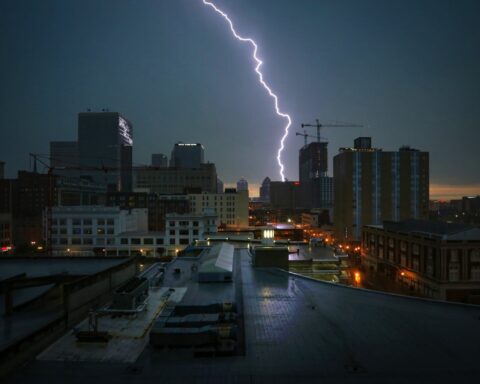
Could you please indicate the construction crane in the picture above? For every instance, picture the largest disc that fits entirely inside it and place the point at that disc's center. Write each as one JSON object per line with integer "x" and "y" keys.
{"x": 318, "y": 125}
{"x": 305, "y": 136}
{"x": 46, "y": 162}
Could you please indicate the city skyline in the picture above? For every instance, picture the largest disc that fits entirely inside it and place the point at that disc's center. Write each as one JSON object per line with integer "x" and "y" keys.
{"x": 191, "y": 82}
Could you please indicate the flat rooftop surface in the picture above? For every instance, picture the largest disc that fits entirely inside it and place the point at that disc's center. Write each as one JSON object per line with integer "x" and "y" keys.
{"x": 35, "y": 267}
{"x": 303, "y": 331}
{"x": 197, "y": 293}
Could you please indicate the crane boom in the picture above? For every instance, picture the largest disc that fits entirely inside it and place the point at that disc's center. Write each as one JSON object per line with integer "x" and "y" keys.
{"x": 318, "y": 125}
{"x": 305, "y": 135}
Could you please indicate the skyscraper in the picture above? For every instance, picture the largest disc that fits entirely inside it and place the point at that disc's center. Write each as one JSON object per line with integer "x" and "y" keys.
{"x": 265, "y": 190}
{"x": 187, "y": 155}
{"x": 105, "y": 141}
{"x": 159, "y": 160}
{"x": 316, "y": 187}
{"x": 220, "y": 187}
{"x": 371, "y": 186}
{"x": 242, "y": 185}
{"x": 313, "y": 161}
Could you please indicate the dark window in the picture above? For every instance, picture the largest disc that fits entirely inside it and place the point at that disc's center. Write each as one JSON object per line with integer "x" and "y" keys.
{"x": 135, "y": 240}
{"x": 172, "y": 232}
{"x": 87, "y": 231}
{"x": 109, "y": 221}
{"x": 100, "y": 221}
{"x": 76, "y": 241}
{"x": 184, "y": 232}
{"x": 195, "y": 223}
{"x": 171, "y": 223}
{"x": 123, "y": 240}
{"x": 172, "y": 241}
{"x": 76, "y": 231}
{"x": 148, "y": 241}
{"x": 195, "y": 231}
{"x": 183, "y": 241}
{"x": 160, "y": 241}
{"x": 87, "y": 221}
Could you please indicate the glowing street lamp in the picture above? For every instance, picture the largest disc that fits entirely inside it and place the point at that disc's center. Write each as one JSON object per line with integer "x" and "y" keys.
{"x": 358, "y": 278}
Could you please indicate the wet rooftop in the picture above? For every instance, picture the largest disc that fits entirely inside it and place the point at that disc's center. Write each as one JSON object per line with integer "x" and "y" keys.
{"x": 302, "y": 331}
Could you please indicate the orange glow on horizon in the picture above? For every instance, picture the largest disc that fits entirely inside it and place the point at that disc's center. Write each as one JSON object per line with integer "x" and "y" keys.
{"x": 453, "y": 191}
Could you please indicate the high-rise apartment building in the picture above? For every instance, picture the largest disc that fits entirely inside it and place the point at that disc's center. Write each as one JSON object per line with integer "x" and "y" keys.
{"x": 105, "y": 142}
{"x": 371, "y": 186}
{"x": 186, "y": 155}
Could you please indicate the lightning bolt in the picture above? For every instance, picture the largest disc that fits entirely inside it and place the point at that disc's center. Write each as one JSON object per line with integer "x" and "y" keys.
{"x": 258, "y": 65}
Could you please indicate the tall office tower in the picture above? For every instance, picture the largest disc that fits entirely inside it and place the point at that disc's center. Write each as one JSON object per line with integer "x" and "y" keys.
{"x": 220, "y": 187}
{"x": 265, "y": 190}
{"x": 371, "y": 186}
{"x": 242, "y": 185}
{"x": 64, "y": 154}
{"x": 315, "y": 186}
{"x": 105, "y": 141}
{"x": 187, "y": 155}
{"x": 159, "y": 160}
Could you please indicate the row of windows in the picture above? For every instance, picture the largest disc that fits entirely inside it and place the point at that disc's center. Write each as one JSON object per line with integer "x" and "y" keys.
{"x": 138, "y": 241}
{"x": 214, "y": 197}
{"x": 84, "y": 231}
{"x": 83, "y": 241}
{"x": 183, "y": 232}
{"x": 103, "y": 221}
{"x": 182, "y": 223}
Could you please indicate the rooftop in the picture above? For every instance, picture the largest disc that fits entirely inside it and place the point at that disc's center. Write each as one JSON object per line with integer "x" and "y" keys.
{"x": 301, "y": 331}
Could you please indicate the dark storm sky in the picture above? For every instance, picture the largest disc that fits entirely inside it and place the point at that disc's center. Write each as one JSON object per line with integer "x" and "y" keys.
{"x": 409, "y": 70}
